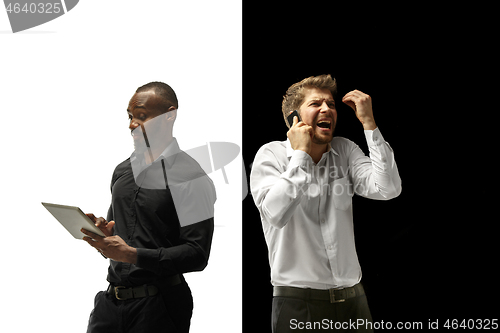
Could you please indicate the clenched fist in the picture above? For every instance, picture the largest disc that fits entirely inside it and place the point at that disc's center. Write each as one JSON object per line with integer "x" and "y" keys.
{"x": 361, "y": 103}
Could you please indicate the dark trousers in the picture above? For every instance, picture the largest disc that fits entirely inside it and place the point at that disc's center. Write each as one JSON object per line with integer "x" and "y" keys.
{"x": 294, "y": 314}
{"x": 168, "y": 311}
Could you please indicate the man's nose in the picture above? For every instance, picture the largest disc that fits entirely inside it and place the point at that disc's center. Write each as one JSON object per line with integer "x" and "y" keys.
{"x": 133, "y": 124}
{"x": 325, "y": 106}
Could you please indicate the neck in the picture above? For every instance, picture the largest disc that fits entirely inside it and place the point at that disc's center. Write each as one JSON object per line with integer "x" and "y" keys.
{"x": 152, "y": 153}
{"x": 317, "y": 151}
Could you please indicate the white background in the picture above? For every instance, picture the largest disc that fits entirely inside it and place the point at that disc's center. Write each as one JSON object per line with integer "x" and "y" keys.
{"x": 65, "y": 87}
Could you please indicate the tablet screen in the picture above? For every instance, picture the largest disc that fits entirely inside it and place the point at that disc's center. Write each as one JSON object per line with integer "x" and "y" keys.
{"x": 73, "y": 219}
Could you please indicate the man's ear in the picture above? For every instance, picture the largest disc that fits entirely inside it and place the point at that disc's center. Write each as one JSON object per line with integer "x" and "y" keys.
{"x": 171, "y": 114}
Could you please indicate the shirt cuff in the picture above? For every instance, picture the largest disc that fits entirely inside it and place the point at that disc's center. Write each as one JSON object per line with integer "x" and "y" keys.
{"x": 300, "y": 158}
{"x": 299, "y": 165}
{"x": 374, "y": 137}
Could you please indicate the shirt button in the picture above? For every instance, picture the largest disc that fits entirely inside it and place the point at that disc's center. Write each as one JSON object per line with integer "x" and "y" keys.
{"x": 322, "y": 220}
{"x": 329, "y": 247}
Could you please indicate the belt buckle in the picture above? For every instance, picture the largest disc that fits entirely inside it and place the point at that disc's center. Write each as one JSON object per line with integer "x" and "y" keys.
{"x": 332, "y": 297}
{"x": 117, "y": 290}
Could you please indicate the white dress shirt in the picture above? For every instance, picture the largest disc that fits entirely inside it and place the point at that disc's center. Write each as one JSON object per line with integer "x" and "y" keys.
{"x": 306, "y": 208}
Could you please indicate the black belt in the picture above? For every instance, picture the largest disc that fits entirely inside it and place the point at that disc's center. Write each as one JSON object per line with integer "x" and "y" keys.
{"x": 123, "y": 293}
{"x": 332, "y": 295}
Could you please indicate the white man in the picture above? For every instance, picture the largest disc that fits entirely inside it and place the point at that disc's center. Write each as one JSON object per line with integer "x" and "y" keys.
{"x": 303, "y": 188}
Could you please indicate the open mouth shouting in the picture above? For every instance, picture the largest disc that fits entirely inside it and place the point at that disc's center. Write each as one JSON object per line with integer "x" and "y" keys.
{"x": 324, "y": 125}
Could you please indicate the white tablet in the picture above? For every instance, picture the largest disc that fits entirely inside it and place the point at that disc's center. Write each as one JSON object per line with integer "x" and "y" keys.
{"x": 73, "y": 219}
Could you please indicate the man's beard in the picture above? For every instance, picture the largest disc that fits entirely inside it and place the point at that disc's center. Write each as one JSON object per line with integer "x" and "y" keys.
{"x": 139, "y": 143}
{"x": 140, "y": 146}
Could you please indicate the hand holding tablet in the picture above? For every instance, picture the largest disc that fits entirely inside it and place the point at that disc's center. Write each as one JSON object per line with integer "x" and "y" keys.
{"x": 105, "y": 226}
{"x": 97, "y": 232}
{"x": 74, "y": 220}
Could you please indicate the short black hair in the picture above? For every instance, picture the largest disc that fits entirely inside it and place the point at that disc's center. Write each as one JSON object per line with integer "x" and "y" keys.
{"x": 163, "y": 90}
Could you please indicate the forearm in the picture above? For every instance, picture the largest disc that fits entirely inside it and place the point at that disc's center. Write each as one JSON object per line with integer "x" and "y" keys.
{"x": 189, "y": 256}
{"x": 276, "y": 192}
{"x": 279, "y": 203}
{"x": 130, "y": 255}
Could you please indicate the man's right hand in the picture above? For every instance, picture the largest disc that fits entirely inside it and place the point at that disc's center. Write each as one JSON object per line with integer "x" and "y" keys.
{"x": 105, "y": 226}
{"x": 300, "y": 136}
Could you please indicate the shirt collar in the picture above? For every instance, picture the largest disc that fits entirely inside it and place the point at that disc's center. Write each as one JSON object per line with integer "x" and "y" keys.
{"x": 289, "y": 149}
{"x": 170, "y": 153}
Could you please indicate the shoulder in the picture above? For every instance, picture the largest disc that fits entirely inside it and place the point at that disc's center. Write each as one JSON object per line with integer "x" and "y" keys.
{"x": 188, "y": 179}
{"x": 185, "y": 168}
{"x": 340, "y": 140}
{"x": 342, "y": 145}
{"x": 184, "y": 160}
{"x": 120, "y": 170}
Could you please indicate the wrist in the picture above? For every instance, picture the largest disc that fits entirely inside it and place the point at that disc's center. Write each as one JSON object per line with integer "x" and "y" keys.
{"x": 368, "y": 124}
{"x": 132, "y": 255}
{"x": 300, "y": 146}
{"x": 305, "y": 150}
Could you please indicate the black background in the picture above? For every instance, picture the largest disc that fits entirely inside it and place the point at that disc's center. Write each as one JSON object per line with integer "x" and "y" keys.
{"x": 430, "y": 253}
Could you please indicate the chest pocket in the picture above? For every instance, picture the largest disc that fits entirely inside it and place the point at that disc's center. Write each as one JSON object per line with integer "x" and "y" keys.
{"x": 341, "y": 192}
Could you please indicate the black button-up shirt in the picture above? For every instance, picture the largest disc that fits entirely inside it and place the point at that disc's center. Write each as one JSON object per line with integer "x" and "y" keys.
{"x": 171, "y": 226}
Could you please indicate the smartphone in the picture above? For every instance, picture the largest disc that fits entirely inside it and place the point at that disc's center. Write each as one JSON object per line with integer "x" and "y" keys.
{"x": 290, "y": 117}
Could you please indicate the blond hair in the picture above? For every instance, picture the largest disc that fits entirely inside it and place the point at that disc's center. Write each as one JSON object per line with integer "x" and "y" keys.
{"x": 295, "y": 95}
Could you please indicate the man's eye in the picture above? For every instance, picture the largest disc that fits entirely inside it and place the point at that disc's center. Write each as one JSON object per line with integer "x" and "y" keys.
{"x": 141, "y": 117}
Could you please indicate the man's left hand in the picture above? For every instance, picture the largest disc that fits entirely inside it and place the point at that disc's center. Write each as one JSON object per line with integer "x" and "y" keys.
{"x": 361, "y": 103}
{"x": 113, "y": 247}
